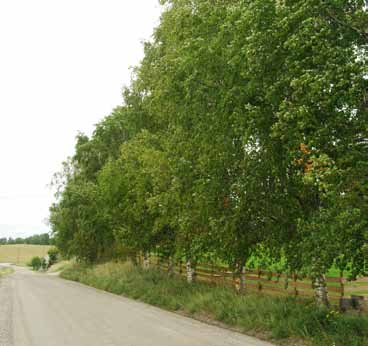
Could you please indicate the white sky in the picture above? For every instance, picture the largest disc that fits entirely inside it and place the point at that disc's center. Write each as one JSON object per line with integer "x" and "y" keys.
{"x": 63, "y": 64}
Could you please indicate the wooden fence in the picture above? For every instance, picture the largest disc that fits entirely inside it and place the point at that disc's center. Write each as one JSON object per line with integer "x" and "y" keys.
{"x": 257, "y": 280}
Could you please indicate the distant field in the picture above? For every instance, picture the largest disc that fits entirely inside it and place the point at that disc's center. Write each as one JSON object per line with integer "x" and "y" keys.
{"x": 21, "y": 254}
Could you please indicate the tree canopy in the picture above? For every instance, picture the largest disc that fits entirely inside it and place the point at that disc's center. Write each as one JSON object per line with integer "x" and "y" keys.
{"x": 245, "y": 127}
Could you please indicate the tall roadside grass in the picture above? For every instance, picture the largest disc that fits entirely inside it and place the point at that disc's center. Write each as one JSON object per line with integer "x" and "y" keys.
{"x": 59, "y": 266}
{"x": 281, "y": 320}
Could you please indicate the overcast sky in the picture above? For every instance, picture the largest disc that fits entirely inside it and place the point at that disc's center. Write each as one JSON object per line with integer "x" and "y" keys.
{"x": 63, "y": 64}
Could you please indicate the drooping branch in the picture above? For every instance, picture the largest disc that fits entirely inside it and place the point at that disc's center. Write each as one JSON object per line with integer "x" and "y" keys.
{"x": 342, "y": 23}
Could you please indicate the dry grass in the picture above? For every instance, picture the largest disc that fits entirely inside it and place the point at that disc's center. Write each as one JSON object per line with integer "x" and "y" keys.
{"x": 21, "y": 254}
{"x": 60, "y": 266}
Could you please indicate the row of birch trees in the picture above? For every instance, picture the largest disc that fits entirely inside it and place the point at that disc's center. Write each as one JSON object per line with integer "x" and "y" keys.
{"x": 244, "y": 131}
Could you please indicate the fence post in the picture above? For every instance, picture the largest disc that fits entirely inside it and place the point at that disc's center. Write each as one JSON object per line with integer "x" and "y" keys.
{"x": 242, "y": 282}
{"x": 342, "y": 284}
{"x": 295, "y": 284}
{"x": 180, "y": 267}
{"x": 286, "y": 281}
{"x": 259, "y": 279}
{"x": 170, "y": 268}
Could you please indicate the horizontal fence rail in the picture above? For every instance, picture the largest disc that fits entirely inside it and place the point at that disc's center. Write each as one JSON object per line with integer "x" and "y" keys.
{"x": 255, "y": 280}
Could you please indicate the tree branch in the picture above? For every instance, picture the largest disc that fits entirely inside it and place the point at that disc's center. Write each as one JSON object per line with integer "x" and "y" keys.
{"x": 361, "y": 33}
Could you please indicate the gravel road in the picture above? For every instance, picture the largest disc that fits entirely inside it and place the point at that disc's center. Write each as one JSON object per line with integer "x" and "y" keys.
{"x": 43, "y": 310}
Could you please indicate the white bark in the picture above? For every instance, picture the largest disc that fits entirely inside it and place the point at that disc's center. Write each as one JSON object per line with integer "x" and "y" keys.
{"x": 171, "y": 267}
{"x": 321, "y": 290}
{"x": 190, "y": 272}
{"x": 146, "y": 260}
{"x": 242, "y": 285}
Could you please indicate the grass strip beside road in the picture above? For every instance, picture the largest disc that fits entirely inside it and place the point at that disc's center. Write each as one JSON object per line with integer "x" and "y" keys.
{"x": 59, "y": 266}
{"x": 5, "y": 271}
{"x": 282, "y": 320}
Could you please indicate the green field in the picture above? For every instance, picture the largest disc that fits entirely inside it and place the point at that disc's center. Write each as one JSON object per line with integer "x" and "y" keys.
{"x": 21, "y": 254}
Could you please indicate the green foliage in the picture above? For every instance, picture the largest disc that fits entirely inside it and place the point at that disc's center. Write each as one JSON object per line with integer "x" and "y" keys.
{"x": 44, "y": 264}
{"x": 53, "y": 256}
{"x": 277, "y": 318}
{"x": 244, "y": 131}
{"x": 35, "y": 263}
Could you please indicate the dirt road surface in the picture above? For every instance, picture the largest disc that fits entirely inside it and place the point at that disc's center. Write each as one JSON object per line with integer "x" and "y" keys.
{"x": 42, "y": 310}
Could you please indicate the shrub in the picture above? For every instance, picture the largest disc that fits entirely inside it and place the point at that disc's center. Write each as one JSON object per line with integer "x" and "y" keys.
{"x": 35, "y": 263}
{"x": 53, "y": 256}
{"x": 44, "y": 264}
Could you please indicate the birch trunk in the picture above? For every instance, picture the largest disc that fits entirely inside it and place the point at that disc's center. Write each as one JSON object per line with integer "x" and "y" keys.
{"x": 321, "y": 290}
{"x": 190, "y": 272}
{"x": 242, "y": 283}
{"x": 170, "y": 269}
{"x": 134, "y": 258}
{"x": 146, "y": 260}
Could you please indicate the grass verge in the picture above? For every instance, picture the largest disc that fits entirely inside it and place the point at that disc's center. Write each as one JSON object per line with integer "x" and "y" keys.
{"x": 6, "y": 271}
{"x": 279, "y": 319}
{"x": 59, "y": 266}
